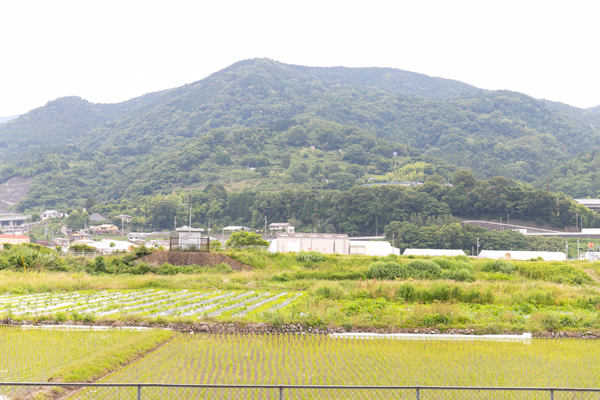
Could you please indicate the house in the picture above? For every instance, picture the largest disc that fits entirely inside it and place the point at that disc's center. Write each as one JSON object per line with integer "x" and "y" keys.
{"x": 523, "y": 255}
{"x": 78, "y": 236}
{"x": 43, "y": 243}
{"x": 95, "y": 217}
{"x": 188, "y": 239}
{"x": 109, "y": 228}
{"x": 60, "y": 242}
{"x": 328, "y": 243}
{"x": 13, "y": 239}
{"x": 434, "y": 252}
{"x": 281, "y": 227}
{"x": 136, "y": 237}
{"x": 372, "y": 248}
{"x": 125, "y": 218}
{"x": 48, "y": 214}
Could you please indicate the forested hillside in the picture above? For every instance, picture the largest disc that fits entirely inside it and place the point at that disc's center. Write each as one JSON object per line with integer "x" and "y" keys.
{"x": 61, "y": 121}
{"x": 261, "y": 125}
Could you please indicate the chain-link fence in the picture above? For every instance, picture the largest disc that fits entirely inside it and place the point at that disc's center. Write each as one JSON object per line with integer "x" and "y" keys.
{"x": 146, "y": 391}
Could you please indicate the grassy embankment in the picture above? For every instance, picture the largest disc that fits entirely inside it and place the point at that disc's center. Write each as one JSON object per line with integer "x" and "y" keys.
{"x": 358, "y": 291}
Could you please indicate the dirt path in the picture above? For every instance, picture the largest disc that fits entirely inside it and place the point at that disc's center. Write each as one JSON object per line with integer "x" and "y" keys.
{"x": 592, "y": 274}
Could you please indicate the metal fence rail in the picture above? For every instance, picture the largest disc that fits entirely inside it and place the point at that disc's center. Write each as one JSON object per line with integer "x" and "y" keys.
{"x": 22, "y": 390}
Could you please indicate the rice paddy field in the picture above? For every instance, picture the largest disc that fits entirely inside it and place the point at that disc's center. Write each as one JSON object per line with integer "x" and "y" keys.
{"x": 43, "y": 355}
{"x": 322, "y": 360}
{"x": 35, "y": 355}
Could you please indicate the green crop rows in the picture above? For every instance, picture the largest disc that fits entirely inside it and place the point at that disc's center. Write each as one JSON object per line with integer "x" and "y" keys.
{"x": 37, "y": 355}
{"x": 321, "y": 360}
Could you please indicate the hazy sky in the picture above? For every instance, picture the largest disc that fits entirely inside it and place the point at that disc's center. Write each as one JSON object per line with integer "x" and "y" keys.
{"x": 110, "y": 51}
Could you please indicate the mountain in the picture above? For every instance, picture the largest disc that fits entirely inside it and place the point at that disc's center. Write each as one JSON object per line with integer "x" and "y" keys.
{"x": 589, "y": 116}
{"x": 6, "y": 119}
{"x": 264, "y": 125}
{"x": 62, "y": 121}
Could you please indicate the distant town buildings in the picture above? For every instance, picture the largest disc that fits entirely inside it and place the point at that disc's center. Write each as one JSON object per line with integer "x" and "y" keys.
{"x": 13, "y": 239}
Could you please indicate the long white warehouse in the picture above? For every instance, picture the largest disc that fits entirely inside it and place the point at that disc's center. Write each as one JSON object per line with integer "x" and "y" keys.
{"x": 434, "y": 252}
{"x": 522, "y": 255}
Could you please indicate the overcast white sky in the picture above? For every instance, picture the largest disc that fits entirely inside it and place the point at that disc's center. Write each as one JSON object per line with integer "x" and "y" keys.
{"x": 110, "y": 51}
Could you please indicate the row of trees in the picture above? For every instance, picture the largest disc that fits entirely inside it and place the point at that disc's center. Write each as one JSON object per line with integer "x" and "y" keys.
{"x": 360, "y": 209}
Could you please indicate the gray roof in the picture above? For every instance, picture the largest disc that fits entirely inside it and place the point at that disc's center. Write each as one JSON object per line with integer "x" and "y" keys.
{"x": 97, "y": 217}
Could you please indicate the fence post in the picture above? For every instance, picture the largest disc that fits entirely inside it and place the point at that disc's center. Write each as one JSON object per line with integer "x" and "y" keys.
{"x": 280, "y": 392}
{"x": 551, "y": 394}
{"x": 418, "y": 394}
{"x": 139, "y": 392}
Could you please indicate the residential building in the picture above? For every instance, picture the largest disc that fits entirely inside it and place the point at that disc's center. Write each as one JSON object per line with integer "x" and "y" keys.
{"x": 95, "y": 217}
{"x": 74, "y": 236}
{"x": 125, "y": 218}
{"x": 60, "y": 242}
{"x": 109, "y": 228}
{"x": 13, "y": 239}
{"x": 328, "y": 243}
{"x": 48, "y": 214}
{"x": 372, "y": 248}
{"x": 136, "y": 237}
{"x": 523, "y": 255}
{"x": 281, "y": 227}
{"x": 434, "y": 252}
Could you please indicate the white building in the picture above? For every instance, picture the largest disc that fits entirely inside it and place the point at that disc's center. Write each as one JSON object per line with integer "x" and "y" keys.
{"x": 50, "y": 214}
{"x": 328, "y": 243}
{"x": 281, "y": 227}
{"x": 372, "y": 248}
{"x": 104, "y": 246}
{"x": 434, "y": 252}
{"x": 522, "y": 255}
{"x": 188, "y": 238}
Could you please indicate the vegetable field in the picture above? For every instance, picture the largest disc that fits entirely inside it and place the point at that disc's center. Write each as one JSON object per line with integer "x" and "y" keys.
{"x": 144, "y": 303}
{"x": 321, "y": 360}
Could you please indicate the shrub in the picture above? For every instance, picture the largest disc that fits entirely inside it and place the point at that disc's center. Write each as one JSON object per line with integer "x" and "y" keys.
{"x": 310, "y": 257}
{"x": 461, "y": 275}
{"x": 99, "y": 264}
{"x": 502, "y": 266}
{"x": 386, "y": 270}
{"x": 423, "y": 269}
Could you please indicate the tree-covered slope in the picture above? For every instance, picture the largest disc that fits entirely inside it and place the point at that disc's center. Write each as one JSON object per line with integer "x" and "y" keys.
{"x": 491, "y": 133}
{"x": 254, "y": 125}
{"x": 62, "y": 121}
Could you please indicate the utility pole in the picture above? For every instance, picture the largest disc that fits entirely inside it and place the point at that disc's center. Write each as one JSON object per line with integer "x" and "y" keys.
{"x": 576, "y": 220}
{"x": 508, "y": 220}
{"x": 265, "y": 224}
{"x": 567, "y": 249}
{"x": 188, "y": 204}
{"x": 477, "y": 254}
{"x": 577, "y": 249}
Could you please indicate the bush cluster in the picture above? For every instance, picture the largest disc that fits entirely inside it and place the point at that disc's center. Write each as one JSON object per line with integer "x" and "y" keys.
{"x": 420, "y": 269}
